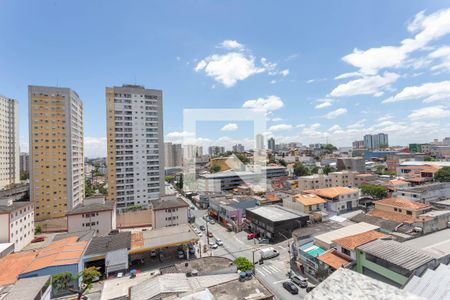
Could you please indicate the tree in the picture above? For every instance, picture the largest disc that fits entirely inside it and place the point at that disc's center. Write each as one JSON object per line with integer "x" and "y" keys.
{"x": 214, "y": 168}
{"x": 62, "y": 281}
{"x": 300, "y": 169}
{"x": 315, "y": 170}
{"x": 380, "y": 170}
{"x": 375, "y": 191}
{"x": 24, "y": 175}
{"x": 328, "y": 148}
{"x": 38, "y": 229}
{"x": 443, "y": 175}
{"x": 169, "y": 178}
{"x": 243, "y": 263}
{"x": 328, "y": 169}
{"x": 282, "y": 162}
{"x": 87, "y": 276}
{"x": 244, "y": 159}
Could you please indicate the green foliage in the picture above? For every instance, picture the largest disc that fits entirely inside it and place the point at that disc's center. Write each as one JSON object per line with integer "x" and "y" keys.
{"x": 169, "y": 178}
{"x": 38, "y": 229}
{"x": 375, "y": 191}
{"x": 443, "y": 175}
{"x": 243, "y": 263}
{"x": 214, "y": 168}
{"x": 62, "y": 281}
{"x": 244, "y": 159}
{"x": 328, "y": 169}
{"x": 88, "y": 275}
{"x": 300, "y": 169}
{"x": 315, "y": 170}
{"x": 282, "y": 162}
{"x": 380, "y": 170}
{"x": 135, "y": 207}
{"x": 179, "y": 184}
{"x": 328, "y": 148}
{"x": 429, "y": 158}
{"x": 91, "y": 189}
{"x": 24, "y": 175}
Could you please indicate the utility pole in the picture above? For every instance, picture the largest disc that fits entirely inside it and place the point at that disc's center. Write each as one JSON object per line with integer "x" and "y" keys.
{"x": 207, "y": 231}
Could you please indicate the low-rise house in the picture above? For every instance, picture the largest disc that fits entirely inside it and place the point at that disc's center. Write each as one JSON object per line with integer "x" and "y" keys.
{"x": 417, "y": 174}
{"x": 15, "y": 263}
{"x": 392, "y": 262}
{"x": 169, "y": 211}
{"x": 425, "y": 193}
{"x": 36, "y": 288}
{"x": 436, "y": 244}
{"x": 94, "y": 213}
{"x": 326, "y": 240}
{"x": 402, "y": 206}
{"x": 334, "y": 179}
{"x": 331, "y": 261}
{"x": 16, "y": 223}
{"x": 306, "y": 203}
{"x": 347, "y": 245}
{"x": 231, "y": 212}
{"x": 339, "y": 199}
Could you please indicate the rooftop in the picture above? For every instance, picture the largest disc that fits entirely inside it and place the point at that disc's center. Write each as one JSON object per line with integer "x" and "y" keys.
{"x": 309, "y": 199}
{"x": 249, "y": 289}
{"x": 276, "y": 213}
{"x": 426, "y": 187}
{"x": 345, "y": 284}
{"x": 436, "y": 244}
{"x": 28, "y": 288}
{"x": 162, "y": 237}
{"x": 15, "y": 263}
{"x": 169, "y": 203}
{"x": 353, "y": 229}
{"x": 332, "y": 192}
{"x": 333, "y": 259}
{"x": 431, "y": 285}
{"x": 391, "y": 216}
{"x": 63, "y": 252}
{"x": 402, "y": 203}
{"x": 103, "y": 244}
{"x": 353, "y": 241}
{"x": 14, "y": 206}
{"x": 91, "y": 207}
{"x": 397, "y": 254}
{"x": 312, "y": 249}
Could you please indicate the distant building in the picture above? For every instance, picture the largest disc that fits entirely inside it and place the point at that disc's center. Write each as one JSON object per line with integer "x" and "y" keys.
{"x": 93, "y": 214}
{"x": 334, "y": 179}
{"x": 230, "y": 212}
{"x": 339, "y": 199}
{"x": 216, "y": 150}
{"x": 358, "y": 144}
{"x": 238, "y": 148}
{"x": 9, "y": 142}
{"x": 16, "y": 223}
{"x": 56, "y": 150}
{"x": 425, "y": 193}
{"x": 169, "y": 211}
{"x": 271, "y": 144}
{"x": 307, "y": 203}
{"x": 351, "y": 164}
{"x": 376, "y": 141}
{"x": 259, "y": 142}
{"x": 173, "y": 155}
{"x": 24, "y": 162}
{"x": 192, "y": 151}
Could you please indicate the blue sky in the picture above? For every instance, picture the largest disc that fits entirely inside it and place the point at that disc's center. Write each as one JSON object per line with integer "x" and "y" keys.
{"x": 324, "y": 70}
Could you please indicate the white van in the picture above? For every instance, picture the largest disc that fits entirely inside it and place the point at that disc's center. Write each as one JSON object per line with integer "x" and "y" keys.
{"x": 267, "y": 253}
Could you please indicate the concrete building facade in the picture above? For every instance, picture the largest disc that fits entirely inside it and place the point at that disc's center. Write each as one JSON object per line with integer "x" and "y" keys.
{"x": 16, "y": 223}
{"x": 135, "y": 145}
{"x": 56, "y": 130}
{"x": 173, "y": 155}
{"x": 9, "y": 142}
{"x": 24, "y": 162}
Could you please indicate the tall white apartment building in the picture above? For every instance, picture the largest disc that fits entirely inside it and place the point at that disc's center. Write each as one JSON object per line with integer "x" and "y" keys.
{"x": 56, "y": 133}
{"x": 135, "y": 145}
{"x": 16, "y": 223}
{"x": 9, "y": 142}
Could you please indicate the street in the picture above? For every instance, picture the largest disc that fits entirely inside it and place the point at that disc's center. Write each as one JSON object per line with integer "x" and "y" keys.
{"x": 273, "y": 272}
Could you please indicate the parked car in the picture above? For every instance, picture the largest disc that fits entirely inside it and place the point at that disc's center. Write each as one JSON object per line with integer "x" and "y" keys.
{"x": 267, "y": 253}
{"x": 180, "y": 254}
{"x": 202, "y": 227}
{"x": 153, "y": 253}
{"x": 290, "y": 287}
{"x": 38, "y": 239}
{"x": 212, "y": 222}
{"x": 210, "y": 234}
{"x": 214, "y": 246}
{"x": 200, "y": 234}
{"x": 300, "y": 281}
{"x": 251, "y": 236}
{"x": 219, "y": 242}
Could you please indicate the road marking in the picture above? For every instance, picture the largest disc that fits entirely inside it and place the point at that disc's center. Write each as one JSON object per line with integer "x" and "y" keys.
{"x": 262, "y": 274}
{"x": 279, "y": 281}
{"x": 275, "y": 269}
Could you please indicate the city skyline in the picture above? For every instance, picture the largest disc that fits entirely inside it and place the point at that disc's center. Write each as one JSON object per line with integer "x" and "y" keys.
{"x": 313, "y": 94}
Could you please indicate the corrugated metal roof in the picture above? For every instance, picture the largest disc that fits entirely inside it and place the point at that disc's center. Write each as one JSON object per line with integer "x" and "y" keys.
{"x": 396, "y": 253}
{"x": 432, "y": 285}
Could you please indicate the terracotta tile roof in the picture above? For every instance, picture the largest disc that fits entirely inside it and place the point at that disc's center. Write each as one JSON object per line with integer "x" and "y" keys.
{"x": 402, "y": 203}
{"x": 14, "y": 264}
{"x": 391, "y": 216}
{"x": 397, "y": 182}
{"x": 332, "y": 259}
{"x": 331, "y": 192}
{"x": 353, "y": 241}
{"x": 63, "y": 252}
{"x": 272, "y": 198}
{"x": 309, "y": 199}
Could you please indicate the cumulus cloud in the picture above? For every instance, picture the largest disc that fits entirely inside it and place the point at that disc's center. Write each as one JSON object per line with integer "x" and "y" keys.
{"x": 270, "y": 103}
{"x": 284, "y": 72}
{"x": 280, "y": 127}
{"x": 431, "y": 112}
{"x": 229, "y": 68}
{"x": 443, "y": 55}
{"x": 231, "y": 44}
{"x": 230, "y": 127}
{"x": 336, "y": 113}
{"x": 323, "y": 103}
{"x": 429, "y": 92}
{"x": 368, "y": 85}
{"x": 95, "y": 146}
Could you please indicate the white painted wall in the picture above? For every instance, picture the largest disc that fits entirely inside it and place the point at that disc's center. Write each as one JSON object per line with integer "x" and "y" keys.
{"x": 168, "y": 217}
{"x": 103, "y": 222}
{"x": 21, "y": 227}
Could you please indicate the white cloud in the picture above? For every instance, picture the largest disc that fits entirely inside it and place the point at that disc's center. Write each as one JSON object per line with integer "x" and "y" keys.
{"x": 179, "y": 134}
{"x": 231, "y": 44}
{"x": 230, "y": 127}
{"x": 432, "y": 91}
{"x": 323, "y": 103}
{"x": 280, "y": 127}
{"x": 270, "y": 103}
{"x": 368, "y": 85}
{"x": 442, "y": 54}
{"x": 349, "y": 75}
{"x": 229, "y": 68}
{"x": 277, "y": 119}
{"x": 426, "y": 29}
{"x": 300, "y": 125}
{"x": 431, "y": 112}
{"x": 336, "y": 113}
{"x": 335, "y": 128}
{"x": 95, "y": 146}
{"x": 284, "y": 72}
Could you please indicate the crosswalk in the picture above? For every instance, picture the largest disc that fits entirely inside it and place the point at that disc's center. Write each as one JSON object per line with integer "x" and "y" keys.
{"x": 267, "y": 270}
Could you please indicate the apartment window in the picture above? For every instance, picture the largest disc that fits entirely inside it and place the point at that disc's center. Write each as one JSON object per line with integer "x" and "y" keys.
{"x": 408, "y": 212}
{"x": 346, "y": 251}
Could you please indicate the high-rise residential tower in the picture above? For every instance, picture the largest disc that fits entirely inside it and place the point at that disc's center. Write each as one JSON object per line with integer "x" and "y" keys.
{"x": 135, "y": 145}
{"x": 271, "y": 144}
{"x": 9, "y": 142}
{"x": 376, "y": 141}
{"x": 173, "y": 155}
{"x": 56, "y": 150}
